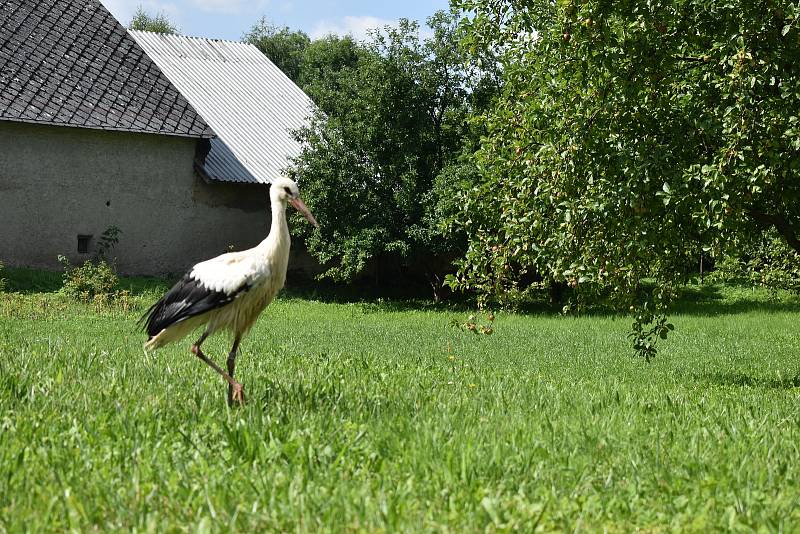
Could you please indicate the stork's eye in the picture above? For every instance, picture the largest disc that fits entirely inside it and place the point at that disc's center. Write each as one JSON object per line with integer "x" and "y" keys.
{"x": 288, "y": 191}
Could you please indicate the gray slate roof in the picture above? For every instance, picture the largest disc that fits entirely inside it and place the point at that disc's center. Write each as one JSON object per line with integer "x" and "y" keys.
{"x": 70, "y": 63}
{"x": 253, "y": 107}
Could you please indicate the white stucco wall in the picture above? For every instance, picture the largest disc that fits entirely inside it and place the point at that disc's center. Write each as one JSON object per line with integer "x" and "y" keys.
{"x": 59, "y": 182}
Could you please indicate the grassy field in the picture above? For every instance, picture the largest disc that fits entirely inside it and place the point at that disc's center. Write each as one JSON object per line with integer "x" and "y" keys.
{"x": 382, "y": 417}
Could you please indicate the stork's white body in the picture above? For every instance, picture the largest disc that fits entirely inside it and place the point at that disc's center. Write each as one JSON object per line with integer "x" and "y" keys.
{"x": 262, "y": 267}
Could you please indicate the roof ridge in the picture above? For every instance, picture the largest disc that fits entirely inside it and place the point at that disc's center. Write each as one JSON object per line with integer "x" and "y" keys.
{"x": 195, "y": 37}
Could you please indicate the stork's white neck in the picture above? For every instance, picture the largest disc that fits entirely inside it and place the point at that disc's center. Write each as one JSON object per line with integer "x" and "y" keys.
{"x": 279, "y": 230}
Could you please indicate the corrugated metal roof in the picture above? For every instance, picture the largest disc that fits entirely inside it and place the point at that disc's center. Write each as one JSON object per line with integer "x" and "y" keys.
{"x": 70, "y": 63}
{"x": 252, "y": 106}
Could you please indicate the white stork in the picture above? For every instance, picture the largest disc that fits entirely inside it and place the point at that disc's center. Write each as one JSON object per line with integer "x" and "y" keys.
{"x": 230, "y": 291}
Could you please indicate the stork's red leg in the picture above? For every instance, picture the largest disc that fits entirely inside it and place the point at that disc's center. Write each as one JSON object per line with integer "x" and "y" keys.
{"x": 233, "y": 395}
{"x": 236, "y": 387}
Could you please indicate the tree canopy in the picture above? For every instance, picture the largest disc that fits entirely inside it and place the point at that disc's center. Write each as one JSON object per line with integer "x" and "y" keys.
{"x": 158, "y": 23}
{"x": 629, "y": 139}
{"x": 381, "y": 156}
{"x": 284, "y": 47}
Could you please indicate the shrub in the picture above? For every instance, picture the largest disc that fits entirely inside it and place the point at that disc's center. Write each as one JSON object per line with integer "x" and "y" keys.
{"x": 96, "y": 280}
{"x": 90, "y": 281}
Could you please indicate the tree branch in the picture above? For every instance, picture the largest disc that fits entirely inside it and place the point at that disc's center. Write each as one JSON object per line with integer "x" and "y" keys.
{"x": 781, "y": 224}
{"x": 693, "y": 59}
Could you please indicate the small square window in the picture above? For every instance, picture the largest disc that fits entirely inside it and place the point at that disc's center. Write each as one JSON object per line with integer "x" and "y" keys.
{"x": 83, "y": 244}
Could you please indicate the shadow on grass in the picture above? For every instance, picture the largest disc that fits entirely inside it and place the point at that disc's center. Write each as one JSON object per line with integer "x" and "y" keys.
{"x": 29, "y": 281}
{"x": 386, "y": 298}
{"x": 713, "y": 300}
{"x": 693, "y": 300}
{"x": 702, "y": 301}
{"x": 746, "y": 381}
{"x": 733, "y": 308}
{"x": 406, "y": 295}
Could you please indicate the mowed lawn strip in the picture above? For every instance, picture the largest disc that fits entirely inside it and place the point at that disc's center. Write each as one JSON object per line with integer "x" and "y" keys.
{"x": 383, "y": 417}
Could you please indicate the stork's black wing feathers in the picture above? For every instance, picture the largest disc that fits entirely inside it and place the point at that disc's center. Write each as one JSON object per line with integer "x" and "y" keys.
{"x": 187, "y": 298}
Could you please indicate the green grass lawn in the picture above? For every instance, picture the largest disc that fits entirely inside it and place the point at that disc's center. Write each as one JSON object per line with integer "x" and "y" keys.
{"x": 382, "y": 417}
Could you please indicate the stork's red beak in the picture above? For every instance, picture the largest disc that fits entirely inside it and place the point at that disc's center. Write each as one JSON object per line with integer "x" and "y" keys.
{"x": 300, "y": 206}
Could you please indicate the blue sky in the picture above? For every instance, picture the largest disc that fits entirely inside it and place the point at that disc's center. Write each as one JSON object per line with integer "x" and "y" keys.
{"x": 229, "y": 19}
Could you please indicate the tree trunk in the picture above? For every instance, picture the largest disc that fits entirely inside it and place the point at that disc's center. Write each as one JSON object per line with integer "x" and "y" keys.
{"x": 781, "y": 224}
{"x": 556, "y": 291}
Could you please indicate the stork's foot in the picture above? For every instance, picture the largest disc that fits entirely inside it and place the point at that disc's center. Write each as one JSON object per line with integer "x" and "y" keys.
{"x": 235, "y": 394}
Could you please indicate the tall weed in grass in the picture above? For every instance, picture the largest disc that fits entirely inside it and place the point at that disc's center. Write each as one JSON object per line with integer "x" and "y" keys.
{"x": 3, "y": 282}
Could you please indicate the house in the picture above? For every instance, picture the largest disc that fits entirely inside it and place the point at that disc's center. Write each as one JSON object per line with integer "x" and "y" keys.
{"x": 172, "y": 140}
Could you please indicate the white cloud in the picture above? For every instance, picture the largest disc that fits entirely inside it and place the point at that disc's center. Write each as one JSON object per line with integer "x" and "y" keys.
{"x": 358, "y": 27}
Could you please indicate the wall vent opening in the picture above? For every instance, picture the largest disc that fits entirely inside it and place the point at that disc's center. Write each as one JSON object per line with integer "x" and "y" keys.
{"x": 83, "y": 243}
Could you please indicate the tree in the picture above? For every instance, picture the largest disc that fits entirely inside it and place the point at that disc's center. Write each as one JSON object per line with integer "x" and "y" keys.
{"x": 630, "y": 138}
{"x": 158, "y": 23}
{"x": 321, "y": 69}
{"x": 282, "y": 46}
{"x": 392, "y": 123}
